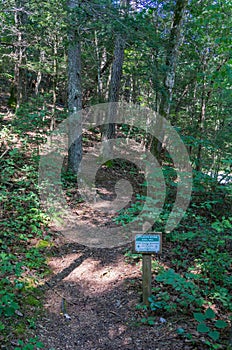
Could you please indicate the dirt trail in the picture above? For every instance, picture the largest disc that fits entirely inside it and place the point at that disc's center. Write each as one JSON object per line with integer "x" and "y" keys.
{"x": 99, "y": 292}
{"x": 100, "y": 289}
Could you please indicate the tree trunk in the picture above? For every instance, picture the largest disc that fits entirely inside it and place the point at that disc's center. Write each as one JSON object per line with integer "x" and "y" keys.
{"x": 74, "y": 93}
{"x": 54, "y": 84}
{"x": 39, "y": 74}
{"x": 171, "y": 61}
{"x": 116, "y": 75}
{"x": 201, "y": 122}
{"x": 172, "y": 56}
{"x": 117, "y": 69}
{"x": 19, "y": 60}
{"x": 99, "y": 68}
{"x": 108, "y": 131}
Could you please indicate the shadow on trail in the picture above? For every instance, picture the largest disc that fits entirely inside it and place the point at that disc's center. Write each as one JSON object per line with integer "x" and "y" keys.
{"x": 105, "y": 256}
{"x": 101, "y": 292}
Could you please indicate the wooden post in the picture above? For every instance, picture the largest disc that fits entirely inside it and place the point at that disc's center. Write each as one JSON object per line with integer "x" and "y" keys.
{"x": 147, "y": 244}
{"x": 146, "y": 278}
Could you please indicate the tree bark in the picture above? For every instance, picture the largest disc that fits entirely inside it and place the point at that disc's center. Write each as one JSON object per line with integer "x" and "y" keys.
{"x": 54, "y": 84}
{"x": 108, "y": 131}
{"x": 115, "y": 82}
{"x": 172, "y": 56}
{"x": 74, "y": 93}
{"x": 116, "y": 73}
{"x": 39, "y": 74}
{"x": 19, "y": 58}
{"x": 171, "y": 61}
{"x": 201, "y": 119}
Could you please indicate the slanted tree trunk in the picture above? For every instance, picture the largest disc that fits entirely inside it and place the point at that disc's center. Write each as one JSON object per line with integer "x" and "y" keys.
{"x": 74, "y": 92}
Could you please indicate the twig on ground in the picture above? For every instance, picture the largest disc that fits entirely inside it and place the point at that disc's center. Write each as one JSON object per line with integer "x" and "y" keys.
{"x": 60, "y": 295}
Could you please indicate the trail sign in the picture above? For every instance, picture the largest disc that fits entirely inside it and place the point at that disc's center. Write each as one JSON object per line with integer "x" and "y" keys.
{"x": 148, "y": 243}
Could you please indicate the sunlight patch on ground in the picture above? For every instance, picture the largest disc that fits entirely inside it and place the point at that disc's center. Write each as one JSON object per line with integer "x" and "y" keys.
{"x": 98, "y": 279}
{"x": 58, "y": 264}
{"x": 115, "y": 331}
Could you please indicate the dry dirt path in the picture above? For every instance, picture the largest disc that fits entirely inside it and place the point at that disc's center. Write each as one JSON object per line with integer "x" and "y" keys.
{"x": 99, "y": 291}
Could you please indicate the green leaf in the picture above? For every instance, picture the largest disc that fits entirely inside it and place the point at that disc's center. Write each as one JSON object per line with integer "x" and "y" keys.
{"x": 220, "y": 324}
{"x": 40, "y": 345}
{"x": 199, "y": 317}
{"x": 151, "y": 322}
{"x": 214, "y": 335}
{"x": 180, "y": 331}
{"x": 209, "y": 313}
{"x": 202, "y": 328}
{"x": 29, "y": 347}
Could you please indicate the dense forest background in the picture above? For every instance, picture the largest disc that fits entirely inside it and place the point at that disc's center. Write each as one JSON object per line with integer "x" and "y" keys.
{"x": 171, "y": 56}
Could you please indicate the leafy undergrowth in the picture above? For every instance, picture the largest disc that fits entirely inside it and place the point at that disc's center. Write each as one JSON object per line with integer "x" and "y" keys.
{"x": 23, "y": 227}
{"x": 193, "y": 276}
{"x": 193, "y": 279}
{"x": 192, "y": 284}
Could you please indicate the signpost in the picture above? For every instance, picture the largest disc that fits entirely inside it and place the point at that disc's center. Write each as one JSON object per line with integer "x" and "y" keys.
{"x": 147, "y": 244}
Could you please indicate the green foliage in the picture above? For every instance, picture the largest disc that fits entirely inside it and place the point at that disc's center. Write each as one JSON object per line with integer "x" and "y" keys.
{"x": 188, "y": 292}
{"x": 162, "y": 301}
{"x": 203, "y": 263}
{"x": 210, "y": 330}
{"x": 22, "y": 220}
{"x": 8, "y": 305}
{"x": 148, "y": 320}
{"x": 132, "y": 257}
{"x": 32, "y": 344}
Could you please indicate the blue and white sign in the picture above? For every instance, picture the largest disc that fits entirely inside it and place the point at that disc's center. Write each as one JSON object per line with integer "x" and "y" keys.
{"x": 148, "y": 243}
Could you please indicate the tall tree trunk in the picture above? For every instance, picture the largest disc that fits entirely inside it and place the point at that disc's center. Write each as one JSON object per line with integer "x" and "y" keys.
{"x": 54, "y": 84}
{"x": 127, "y": 89}
{"x": 116, "y": 73}
{"x": 19, "y": 60}
{"x": 172, "y": 56}
{"x": 201, "y": 122}
{"x": 108, "y": 132}
{"x": 171, "y": 61}
{"x": 20, "y": 70}
{"x": 99, "y": 68}
{"x": 39, "y": 74}
{"x": 74, "y": 92}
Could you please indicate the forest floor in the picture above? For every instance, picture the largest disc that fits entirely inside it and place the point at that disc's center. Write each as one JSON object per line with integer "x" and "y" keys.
{"x": 92, "y": 295}
{"x": 99, "y": 292}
